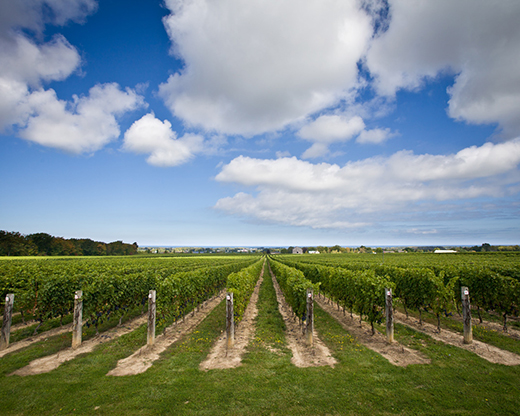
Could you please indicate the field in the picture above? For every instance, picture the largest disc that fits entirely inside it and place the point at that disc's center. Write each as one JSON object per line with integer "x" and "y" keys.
{"x": 361, "y": 382}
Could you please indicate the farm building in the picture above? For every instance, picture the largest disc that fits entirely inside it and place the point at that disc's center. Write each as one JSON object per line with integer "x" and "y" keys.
{"x": 297, "y": 250}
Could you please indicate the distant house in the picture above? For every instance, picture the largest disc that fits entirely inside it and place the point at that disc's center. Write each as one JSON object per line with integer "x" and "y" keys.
{"x": 313, "y": 252}
{"x": 445, "y": 251}
{"x": 297, "y": 250}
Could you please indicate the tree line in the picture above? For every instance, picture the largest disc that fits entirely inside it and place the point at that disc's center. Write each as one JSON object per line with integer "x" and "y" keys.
{"x": 43, "y": 244}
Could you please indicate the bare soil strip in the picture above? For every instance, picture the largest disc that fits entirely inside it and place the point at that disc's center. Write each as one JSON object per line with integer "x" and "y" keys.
{"x": 395, "y": 353}
{"x": 220, "y": 356}
{"x": 143, "y": 358}
{"x": 21, "y": 325}
{"x": 51, "y": 362}
{"x": 512, "y": 332}
{"x": 303, "y": 356}
{"x": 486, "y": 351}
{"x": 15, "y": 346}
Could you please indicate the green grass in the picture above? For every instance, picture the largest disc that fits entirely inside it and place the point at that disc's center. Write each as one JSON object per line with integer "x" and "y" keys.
{"x": 362, "y": 383}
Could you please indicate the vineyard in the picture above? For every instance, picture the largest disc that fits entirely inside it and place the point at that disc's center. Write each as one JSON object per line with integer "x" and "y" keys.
{"x": 353, "y": 367}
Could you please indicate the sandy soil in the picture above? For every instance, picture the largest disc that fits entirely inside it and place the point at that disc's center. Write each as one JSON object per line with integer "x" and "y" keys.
{"x": 21, "y": 325}
{"x": 51, "y": 362}
{"x": 395, "y": 353}
{"x": 303, "y": 356}
{"x": 220, "y": 356}
{"x": 486, "y": 351}
{"x": 512, "y": 332}
{"x": 15, "y": 346}
{"x": 143, "y": 358}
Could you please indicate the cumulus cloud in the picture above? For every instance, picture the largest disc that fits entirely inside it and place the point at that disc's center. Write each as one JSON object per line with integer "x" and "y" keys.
{"x": 332, "y": 128}
{"x": 34, "y": 14}
{"x": 478, "y": 41}
{"x": 374, "y": 136}
{"x": 150, "y": 135}
{"x": 258, "y": 66}
{"x": 26, "y": 63}
{"x": 85, "y": 125}
{"x": 296, "y": 192}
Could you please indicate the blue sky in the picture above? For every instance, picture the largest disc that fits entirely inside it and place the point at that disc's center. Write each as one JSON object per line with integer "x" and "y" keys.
{"x": 261, "y": 123}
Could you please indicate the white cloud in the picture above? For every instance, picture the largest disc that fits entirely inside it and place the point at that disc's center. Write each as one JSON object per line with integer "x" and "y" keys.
{"x": 34, "y": 14}
{"x": 257, "y": 66}
{"x": 317, "y": 150}
{"x": 295, "y": 192}
{"x": 332, "y": 128}
{"x": 285, "y": 153}
{"x": 85, "y": 125}
{"x": 328, "y": 129}
{"x": 374, "y": 136}
{"x": 25, "y": 61}
{"x": 23, "y": 65}
{"x": 150, "y": 135}
{"x": 478, "y": 40}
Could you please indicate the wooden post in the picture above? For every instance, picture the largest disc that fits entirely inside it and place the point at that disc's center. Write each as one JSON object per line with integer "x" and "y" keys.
{"x": 151, "y": 318}
{"x": 6, "y": 324}
{"x": 466, "y": 316}
{"x": 309, "y": 327}
{"x": 389, "y": 313}
{"x": 230, "y": 320}
{"x": 77, "y": 323}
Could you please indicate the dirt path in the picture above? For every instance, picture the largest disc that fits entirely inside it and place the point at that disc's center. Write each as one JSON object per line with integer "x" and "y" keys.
{"x": 15, "y": 346}
{"x": 486, "y": 351}
{"x": 395, "y": 353}
{"x": 51, "y": 362}
{"x": 143, "y": 358}
{"x": 220, "y": 356}
{"x": 303, "y": 356}
{"x": 21, "y": 325}
{"x": 512, "y": 332}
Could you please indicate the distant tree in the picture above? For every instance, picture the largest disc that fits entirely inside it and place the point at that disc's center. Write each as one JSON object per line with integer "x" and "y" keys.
{"x": 88, "y": 247}
{"x": 336, "y": 248}
{"x": 43, "y": 241}
{"x": 15, "y": 244}
{"x": 63, "y": 247}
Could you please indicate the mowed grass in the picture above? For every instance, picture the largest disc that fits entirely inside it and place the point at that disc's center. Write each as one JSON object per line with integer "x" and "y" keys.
{"x": 362, "y": 383}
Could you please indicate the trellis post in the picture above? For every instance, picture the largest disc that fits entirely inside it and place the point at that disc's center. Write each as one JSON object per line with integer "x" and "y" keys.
{"x": 151, "y": 317}
{"x": 389, "y": 313}
{"x": 6, "y": 324}
{"x": 466, "y": 315}
{"x": 77, "y": 323}
{"x": 309, "y": 322}
{"x": 230, "y": 321}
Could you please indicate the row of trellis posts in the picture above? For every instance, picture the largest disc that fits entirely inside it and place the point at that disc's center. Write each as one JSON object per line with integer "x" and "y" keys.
{"x": 230, "y": 323}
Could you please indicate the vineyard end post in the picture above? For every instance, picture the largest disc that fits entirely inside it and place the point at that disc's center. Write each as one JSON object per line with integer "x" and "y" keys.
{"x": 150, "y": 339}
{"x": 309, "y": 326}
{"x": 230, "y": 320}
{"x": 389, "y": 313}
{"x": 466, "y": 315}
{"x": 77, "y": 324}
{"x": 6, "y": 324}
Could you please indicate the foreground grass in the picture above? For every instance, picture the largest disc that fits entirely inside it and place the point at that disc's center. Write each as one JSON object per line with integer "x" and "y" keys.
{"x": 362, "y": 383}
